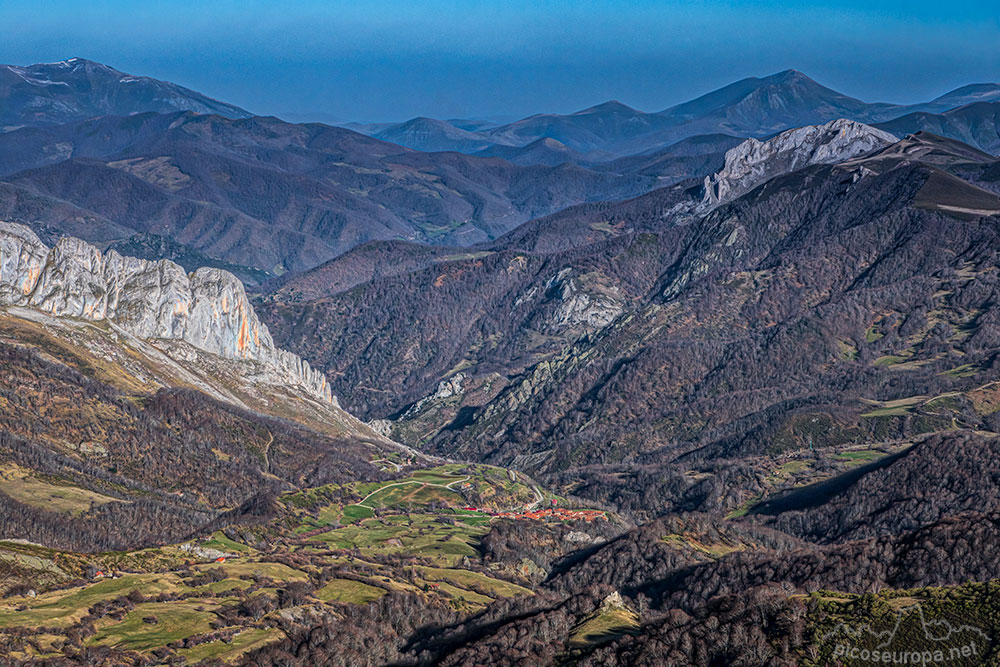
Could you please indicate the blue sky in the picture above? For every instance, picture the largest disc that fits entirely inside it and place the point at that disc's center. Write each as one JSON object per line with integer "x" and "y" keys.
{"x": 389, "y": 60}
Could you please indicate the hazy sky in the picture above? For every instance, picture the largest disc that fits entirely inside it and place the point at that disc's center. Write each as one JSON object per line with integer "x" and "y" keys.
{"x": 389, "y": 60}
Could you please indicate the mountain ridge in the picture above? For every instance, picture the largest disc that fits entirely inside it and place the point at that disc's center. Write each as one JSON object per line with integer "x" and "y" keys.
{"x": 76, "y": 89}
{"x": 754, "y": 162}
{"x": 580, "y": 324}
{"x": 751, "y": 107}
{"x": 756, "y": 403}
{"x": 304, "y": 193}
{"x": 976, "y": 123}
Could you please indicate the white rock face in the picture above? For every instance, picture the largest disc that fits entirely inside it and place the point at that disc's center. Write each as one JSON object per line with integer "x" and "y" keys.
{"x": 151, "y": 300}
{"x": 22, "y": 257}
{"x": 578, "y": 537}
{"x": 591, "y": 308}
{"x": 381, "y": 426}
{"x": 450, "y": 387}
{"x": 613, "y": 601}
{"x": 753, "y": 162}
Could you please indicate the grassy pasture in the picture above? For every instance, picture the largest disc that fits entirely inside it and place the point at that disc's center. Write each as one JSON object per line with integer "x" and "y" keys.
{"x": 219, "y": 541}
{"x": 175, "y": 620}
{"x": 413, "y": 495}
{"x": 420, "y": 534}
{"x": 53, "y": 495}
{"x": 244, "y": 642}
{"x": 466, "y": 578}
{"x": 606, "y": 624}
{"x": 65, "y": 607}
{"x": 348, "y": 590}
{"x": 249, "y": 569}
{"x": 419, "y": 514}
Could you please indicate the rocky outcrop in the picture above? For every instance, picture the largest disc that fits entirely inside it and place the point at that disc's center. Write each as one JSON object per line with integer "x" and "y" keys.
{"x": 207, "y": 309}
{"x": 586, "y": 303}
{"x": 754, "y": 162}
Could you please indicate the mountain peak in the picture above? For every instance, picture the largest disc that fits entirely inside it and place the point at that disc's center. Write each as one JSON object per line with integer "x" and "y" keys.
{"x": 754, "y": 162}
{"x": 611, "y": 106}
{"x": 76, "y": 60}
{"x": 424, "y": 120}
{"x": 431, "y": 134}
{"x": 761, "y": 106}
{"x": 792, "y": 78}
{"x": 71, "y": 64}
{"x": 790, "y": 74}
{"x": 970, "y": 89}
{"x": 549, "y": 142}
{"x": 77, "y": 88}
{"x": 970, "y": 94}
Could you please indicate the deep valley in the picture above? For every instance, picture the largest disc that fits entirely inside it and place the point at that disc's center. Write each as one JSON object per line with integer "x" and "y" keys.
{"x": 713, "y": 385}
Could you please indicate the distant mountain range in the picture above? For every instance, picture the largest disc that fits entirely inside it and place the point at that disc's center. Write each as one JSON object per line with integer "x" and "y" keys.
{"x": 750, "y": 365}
{"x": 75, "y": 89}
{"x": 753, "y": 107}
{"x": 95, "y": 153}
{"x": 977, "y": 124}
{"x": 271, "y": 195}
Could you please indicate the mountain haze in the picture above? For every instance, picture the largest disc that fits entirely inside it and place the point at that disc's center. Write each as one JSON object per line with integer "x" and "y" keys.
{"x": 302, "y": 193}
{"x": 752, "y": 107}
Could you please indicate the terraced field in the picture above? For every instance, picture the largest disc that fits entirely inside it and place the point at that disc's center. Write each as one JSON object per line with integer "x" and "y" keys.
{"x": 224, "y": 594}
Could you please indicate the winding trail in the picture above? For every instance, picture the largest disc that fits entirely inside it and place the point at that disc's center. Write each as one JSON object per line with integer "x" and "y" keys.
{"x": 538, "y": 499}
{"x": 267, "y": 448}
{"x": 388, "y": 462}
{"x": 361, "y": 503}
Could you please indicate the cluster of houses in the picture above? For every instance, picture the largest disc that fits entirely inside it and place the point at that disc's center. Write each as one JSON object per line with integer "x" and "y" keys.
{"x": 553, "y": 512}
{"x": 95, "y": 572}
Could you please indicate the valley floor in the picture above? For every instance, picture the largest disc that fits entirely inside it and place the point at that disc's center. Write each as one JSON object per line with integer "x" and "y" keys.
{"x": 238, "y": 589}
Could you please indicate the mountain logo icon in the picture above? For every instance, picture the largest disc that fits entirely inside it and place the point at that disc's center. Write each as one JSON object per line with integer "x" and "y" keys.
{"x": 914, "y": 638}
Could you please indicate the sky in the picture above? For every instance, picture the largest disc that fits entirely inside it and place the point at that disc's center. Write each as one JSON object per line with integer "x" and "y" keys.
{"x": 385, "y": 60}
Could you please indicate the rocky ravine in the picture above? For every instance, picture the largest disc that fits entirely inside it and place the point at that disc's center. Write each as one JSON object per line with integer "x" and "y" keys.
{"x": 207, "y": 309}
{"x": 557, "y": 292}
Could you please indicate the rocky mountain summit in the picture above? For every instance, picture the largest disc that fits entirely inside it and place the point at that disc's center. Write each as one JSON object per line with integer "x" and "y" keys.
{"x": 753, "y": 162}
{"x": 208, "y": 309}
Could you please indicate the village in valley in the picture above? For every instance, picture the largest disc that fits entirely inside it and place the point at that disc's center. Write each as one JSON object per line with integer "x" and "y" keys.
{"x": 557, "y": 513}
{"x": 234, "y": 590}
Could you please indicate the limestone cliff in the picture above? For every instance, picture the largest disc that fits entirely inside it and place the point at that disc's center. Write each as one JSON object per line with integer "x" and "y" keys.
{"x": 753, "y": 162}
{"x": 207, "y": 309}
